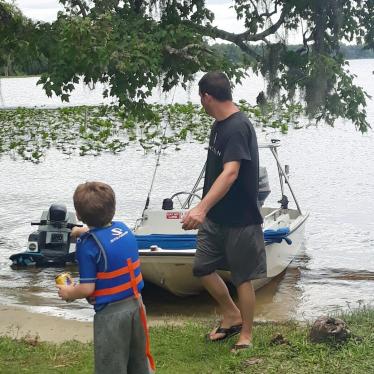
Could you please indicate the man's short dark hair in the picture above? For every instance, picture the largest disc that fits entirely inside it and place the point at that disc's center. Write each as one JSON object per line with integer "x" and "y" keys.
{"x": 217, "y": 85}
{"x": 95, "y": 203}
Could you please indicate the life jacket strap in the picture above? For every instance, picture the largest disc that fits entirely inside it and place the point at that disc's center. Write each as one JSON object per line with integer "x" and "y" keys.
{"x": 118, "y": 272}
{"x": 133, "y": 281}
{"x": 143, "y": 318}
{"x": 117, "y": 289}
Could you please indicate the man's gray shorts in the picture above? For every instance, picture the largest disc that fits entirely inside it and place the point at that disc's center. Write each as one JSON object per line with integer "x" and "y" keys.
{"x": 241, "y": 250}
{"x": 120, "y": 339}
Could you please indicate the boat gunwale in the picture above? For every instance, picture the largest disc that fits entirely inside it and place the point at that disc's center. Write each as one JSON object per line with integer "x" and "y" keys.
{"x": 183, "y": 252}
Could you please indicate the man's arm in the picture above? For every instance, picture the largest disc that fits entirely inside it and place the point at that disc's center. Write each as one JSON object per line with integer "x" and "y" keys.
{"x": 220, "y": 187}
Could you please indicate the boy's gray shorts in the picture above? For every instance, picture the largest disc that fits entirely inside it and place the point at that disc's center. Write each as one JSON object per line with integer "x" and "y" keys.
{"x": 120, "y": 339}
{"x": 241, "y": 250}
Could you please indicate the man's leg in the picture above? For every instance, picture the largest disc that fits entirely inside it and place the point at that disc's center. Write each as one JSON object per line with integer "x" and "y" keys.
{"x": 247, "y": 301}
{"x": 247, "y": 260}
{"x": 218, "y": 290}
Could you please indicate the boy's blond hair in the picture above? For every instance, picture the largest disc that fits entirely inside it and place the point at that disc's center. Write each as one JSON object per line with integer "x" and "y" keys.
{"x": 95, "y": 203}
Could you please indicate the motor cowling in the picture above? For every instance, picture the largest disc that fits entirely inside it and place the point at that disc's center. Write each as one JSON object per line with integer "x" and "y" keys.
{"x": 263, "y": 185}
{"x": 57, "y": 212}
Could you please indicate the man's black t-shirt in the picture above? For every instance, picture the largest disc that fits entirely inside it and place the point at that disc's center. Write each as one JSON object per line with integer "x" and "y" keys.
{"x": 234, "y": 139}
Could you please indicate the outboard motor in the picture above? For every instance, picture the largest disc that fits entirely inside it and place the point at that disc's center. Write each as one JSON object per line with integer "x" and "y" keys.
{"x": 50, "y": 243}
{"x": 263, "y": 185}
{"x": 54, "y": 235}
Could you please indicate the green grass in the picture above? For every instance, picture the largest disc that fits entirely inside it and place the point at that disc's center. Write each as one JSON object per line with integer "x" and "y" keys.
{"x": 182, "y": 349}
{"x": 26, "y": 356}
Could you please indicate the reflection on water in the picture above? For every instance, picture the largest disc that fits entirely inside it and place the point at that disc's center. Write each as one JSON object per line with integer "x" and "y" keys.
{"x": 331, "y": 173}
{"x": 36, "y": 290}
{"x": 360, "y": 275}
{"x": 277, "y": 300}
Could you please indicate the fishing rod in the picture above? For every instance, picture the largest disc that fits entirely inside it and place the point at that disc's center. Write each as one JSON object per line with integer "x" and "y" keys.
{"x": 158, "y": 159}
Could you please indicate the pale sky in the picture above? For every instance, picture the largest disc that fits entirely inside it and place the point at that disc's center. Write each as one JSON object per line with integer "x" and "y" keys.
{"x": 225, "y": 17}
{"x": 46, "y": 10}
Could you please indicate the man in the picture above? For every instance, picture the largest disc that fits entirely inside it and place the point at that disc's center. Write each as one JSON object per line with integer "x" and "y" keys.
{"x": 230, "y": 234}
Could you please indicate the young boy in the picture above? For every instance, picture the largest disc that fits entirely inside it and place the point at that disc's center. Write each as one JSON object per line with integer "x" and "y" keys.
{"x": 110, "y": 279}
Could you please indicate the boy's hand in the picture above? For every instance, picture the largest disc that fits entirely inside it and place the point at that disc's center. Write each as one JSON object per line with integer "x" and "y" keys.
{"x": 91, "y": 300}
{"x": 78, "y": 231}
{"x": 75, "y": 291}
{"x": 65, "y": 292}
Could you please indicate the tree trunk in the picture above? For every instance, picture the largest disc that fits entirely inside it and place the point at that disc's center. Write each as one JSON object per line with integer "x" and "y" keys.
{"x": 8, "y": 66}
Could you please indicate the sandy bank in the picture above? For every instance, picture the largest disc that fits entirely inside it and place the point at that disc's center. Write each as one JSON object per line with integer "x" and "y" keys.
{"x": 18, "y": 322}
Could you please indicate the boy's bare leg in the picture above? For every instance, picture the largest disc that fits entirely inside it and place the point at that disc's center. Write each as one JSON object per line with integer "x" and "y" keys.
{"x": 247, "y": 302}
{"x": 219, "y": 291}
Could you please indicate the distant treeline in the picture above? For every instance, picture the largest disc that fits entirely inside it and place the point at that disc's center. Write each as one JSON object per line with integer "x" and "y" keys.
{"x": 28, "y": 66}
{"x": 352, "y": 52}
{"x": 39, "y": 65}
{"x": 233, "y": 52}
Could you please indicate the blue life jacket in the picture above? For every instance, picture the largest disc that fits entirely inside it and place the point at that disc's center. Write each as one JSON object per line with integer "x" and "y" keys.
{"x": 121, "y": 277}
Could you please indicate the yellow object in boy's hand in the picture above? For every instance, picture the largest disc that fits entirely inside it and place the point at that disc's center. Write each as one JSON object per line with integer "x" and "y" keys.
{"x": 64, "y": 279}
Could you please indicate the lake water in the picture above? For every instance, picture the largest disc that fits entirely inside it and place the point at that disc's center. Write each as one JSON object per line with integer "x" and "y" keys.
{"x": 331, "y": 172}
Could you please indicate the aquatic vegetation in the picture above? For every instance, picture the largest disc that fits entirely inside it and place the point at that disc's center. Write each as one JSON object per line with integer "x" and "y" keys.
{"x": 28, "y": 133}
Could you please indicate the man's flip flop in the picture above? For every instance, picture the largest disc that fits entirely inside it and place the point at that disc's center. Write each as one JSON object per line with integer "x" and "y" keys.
{"x": 227, "y": 331}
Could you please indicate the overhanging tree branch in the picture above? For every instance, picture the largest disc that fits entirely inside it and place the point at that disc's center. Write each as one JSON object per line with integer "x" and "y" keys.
{"x": 241, "y": 39}
{"x": 215, "y": 33}
{"x": 269, "y": 31}
{"x": 185, "y": 51}
{"x": 267, "y": 13}
{"x": 82, "y": 7}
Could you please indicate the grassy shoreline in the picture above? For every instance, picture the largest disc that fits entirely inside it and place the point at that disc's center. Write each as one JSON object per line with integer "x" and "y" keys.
{"x": 183, "y": 349}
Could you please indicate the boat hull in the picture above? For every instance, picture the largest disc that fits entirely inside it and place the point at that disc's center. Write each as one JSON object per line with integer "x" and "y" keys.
{"x": 172, "y": 269}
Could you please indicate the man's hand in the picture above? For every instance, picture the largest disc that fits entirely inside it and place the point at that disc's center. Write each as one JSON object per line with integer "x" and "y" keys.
{"x": 194, "y": 218}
